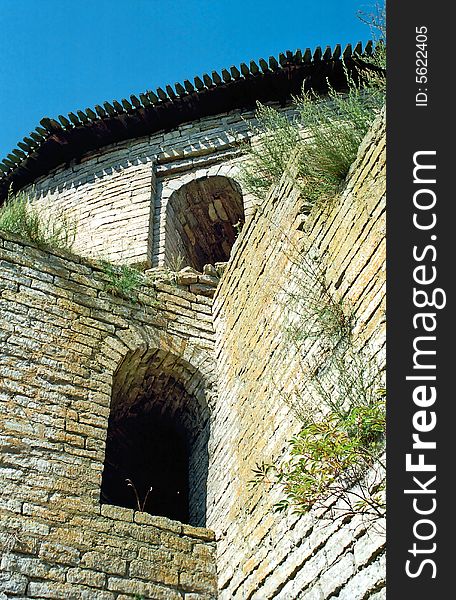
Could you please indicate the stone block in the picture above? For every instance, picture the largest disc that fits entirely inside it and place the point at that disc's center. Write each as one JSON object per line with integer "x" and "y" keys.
{"x": 203, "y": 289}
{"x": 142, "y": 588}
{"x": 187, "y": 276}
{"x": 198, "y": 532}
{"x": 368, "y": 545}
{"x": 333, "y": 578}
{"x": 12, "y": 583}
{"x": 157, "y": 573}
{"x": 117, "y": 512}
{"x": 205, "y": 552}
{"x": 197, "y": 582}
{"x": 102, "y": 561}
{"x": 58, "y": 553}
{"x": 32, "y": 567}
{"x": 159, "y": 522}
{"x": 86, "y": 577}
{"x": 62, "y": 591}
{"x": 220, "y": 268}
{"x": 209, "y": 280}
{"x": 370, "y": 578}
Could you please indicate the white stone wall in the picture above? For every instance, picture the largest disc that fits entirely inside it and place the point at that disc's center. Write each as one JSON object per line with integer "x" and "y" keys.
{"x": 62, "y": 339}
{"x": 263, "y": 554}
{"x": 118, "y": 196}
{"x": 60, "y": 319}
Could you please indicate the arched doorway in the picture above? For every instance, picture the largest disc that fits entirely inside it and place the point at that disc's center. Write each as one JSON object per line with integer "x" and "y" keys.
{"x": 156, "y": 450}
{"x": 203, "y": 218}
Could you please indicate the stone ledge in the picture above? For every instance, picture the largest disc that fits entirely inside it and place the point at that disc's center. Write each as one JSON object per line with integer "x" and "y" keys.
{"x": 190, "y": 280}
{"x": 119, "y": 513}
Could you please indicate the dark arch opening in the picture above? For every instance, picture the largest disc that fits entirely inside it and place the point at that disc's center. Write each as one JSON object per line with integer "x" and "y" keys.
{"x": 203, "y": 219}
{"x": 158, "y": 432}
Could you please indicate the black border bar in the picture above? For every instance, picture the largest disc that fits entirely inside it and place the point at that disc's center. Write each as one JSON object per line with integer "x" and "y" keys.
{"x": 420, "y": 131}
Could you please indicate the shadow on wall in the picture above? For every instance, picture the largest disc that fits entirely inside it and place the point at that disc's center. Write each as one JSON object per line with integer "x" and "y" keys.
{"x": 158, "y": 435}
{"x": 203, "y": 218}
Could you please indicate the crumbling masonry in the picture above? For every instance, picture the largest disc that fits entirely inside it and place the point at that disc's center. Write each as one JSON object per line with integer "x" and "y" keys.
{"x": 183, "y": 390}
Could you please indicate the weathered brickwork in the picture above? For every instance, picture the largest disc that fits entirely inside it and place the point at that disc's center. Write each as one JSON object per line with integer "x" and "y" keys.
{"x": 63, "y": 338}
{"x": 72, "y": 355}
{"x": 118, "y": 197}
{"x": 262, "y": 554}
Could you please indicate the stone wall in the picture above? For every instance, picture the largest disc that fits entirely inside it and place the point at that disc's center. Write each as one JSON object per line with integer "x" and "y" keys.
{"x": 262, "y": 554}
{"x": 63, "y": 339}
{"x": 118, "y": 197}
{"x": 72, "y": 353}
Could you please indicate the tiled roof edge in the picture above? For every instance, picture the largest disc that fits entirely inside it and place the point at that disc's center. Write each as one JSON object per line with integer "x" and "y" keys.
{"x": 32, "y": 148}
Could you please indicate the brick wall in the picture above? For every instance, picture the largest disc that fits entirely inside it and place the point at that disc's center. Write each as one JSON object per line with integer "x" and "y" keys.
{"x": 62, "y": 340}
{"x": 65, "y": 341}
{"x": 118, "y": 196}
{"x": 262, "y": 554}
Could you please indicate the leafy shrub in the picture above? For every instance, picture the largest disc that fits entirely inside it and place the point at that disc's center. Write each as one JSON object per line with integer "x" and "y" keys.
{"x": 20, "y": 217}
{"x": 328, "y": 458}
{"x": 334, "y": 449}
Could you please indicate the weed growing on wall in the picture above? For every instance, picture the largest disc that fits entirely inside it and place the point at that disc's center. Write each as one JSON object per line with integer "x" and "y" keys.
{"x": 316, "y": 313}
{"x": 323, "y": 138}
{"x": 340, "y": 440}
{"x": 122, "y": 281}
{"x": 336, "y": 127}
{"x": 375, "y": 19}
{"x": 270, "y": 156}
{"x": 20, "y": 217}
{"x": 334, "y": 462}
{"x": 176, "y": 263}
{"x": 140, "y": 506}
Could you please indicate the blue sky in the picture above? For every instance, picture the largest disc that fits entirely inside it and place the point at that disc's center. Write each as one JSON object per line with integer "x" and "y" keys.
{"x": 58, "y": 56}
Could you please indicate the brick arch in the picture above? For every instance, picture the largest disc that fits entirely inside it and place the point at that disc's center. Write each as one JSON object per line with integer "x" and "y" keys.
{"x": 159, "y": 425}
{"x": 203, "y": 218}
{"x": 115, "y": 348}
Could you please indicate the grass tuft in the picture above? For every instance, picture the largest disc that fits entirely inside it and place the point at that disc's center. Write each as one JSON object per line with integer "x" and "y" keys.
{"x": 20, "y": 217}
{"x": 318, "y": 147}
{"x": 122, "y": 281}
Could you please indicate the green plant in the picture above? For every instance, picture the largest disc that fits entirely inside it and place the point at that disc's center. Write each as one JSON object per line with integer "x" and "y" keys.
{"x": 338, "y": 401}
{"x": 330, "y": 456}
{"x": 21, "y": 217}
{"x": 335, "y": 461}
{"x": 122, "y": 281}
{"x": 318, "y": 147}
{"x": 336, "y": 127}
{"x": 316, "y": 313}
{"x": 270, "y": 156}
{"x": 176, "y": 263}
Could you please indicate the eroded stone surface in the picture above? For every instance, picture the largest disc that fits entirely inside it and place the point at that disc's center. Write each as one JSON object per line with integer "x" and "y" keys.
{"x": 63, "y": 340}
